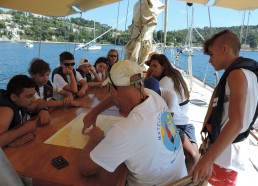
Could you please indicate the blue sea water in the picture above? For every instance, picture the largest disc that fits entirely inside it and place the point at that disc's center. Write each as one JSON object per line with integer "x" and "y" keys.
{"x": 15, "y": 58}
{"x": 200, "y": 64}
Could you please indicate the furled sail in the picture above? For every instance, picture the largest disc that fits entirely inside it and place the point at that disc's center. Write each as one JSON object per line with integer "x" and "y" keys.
{"x": 144, "y": 22}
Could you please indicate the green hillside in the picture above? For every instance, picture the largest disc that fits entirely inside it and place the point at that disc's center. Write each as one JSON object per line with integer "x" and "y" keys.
{"x": 31, "y": 27}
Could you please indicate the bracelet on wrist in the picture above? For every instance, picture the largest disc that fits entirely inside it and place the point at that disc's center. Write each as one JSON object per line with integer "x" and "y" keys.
{"x": 44, "y": 108}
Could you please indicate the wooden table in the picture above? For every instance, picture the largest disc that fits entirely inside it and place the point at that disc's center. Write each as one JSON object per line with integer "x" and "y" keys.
{"x": 34, "y": 160}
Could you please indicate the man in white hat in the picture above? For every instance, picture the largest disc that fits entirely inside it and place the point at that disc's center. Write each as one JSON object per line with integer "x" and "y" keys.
{"x": 145, "y": 140}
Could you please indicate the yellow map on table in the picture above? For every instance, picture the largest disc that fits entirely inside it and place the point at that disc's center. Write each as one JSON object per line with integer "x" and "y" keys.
{"x": 70, "y": 135}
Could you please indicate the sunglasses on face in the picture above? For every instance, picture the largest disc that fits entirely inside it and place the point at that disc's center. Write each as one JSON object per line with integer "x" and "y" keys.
{"x": 112, "y": 55}
{"x": 68, "y": 64}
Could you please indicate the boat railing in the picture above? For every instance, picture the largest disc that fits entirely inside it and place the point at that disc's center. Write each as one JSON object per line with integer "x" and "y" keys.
{"x": 215, "y": 74}
{"x": 175, "y": 56}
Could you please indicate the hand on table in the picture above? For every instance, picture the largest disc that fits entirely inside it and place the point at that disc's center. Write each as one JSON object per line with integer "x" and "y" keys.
{"x": 88, "y": 120}
{"x": 44, "y": 118}
{"x": 95, "y": 134}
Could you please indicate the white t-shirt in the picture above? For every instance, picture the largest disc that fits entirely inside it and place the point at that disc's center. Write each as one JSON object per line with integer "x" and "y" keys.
{"x": 142, "y": 142}
{"x": 179, "y": 118}
{"x": 60, "y": 82}
{"x": 56, "y": 90}
{"x": 235, "y": 156}
{"x": 166, "y": 82}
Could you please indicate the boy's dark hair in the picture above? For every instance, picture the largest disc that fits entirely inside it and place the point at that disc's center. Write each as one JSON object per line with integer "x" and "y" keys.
{"x": 227, "y": 37}
{"x": 65, "y": 56}
{"x": 101, "y": 60}
{"x": 18, "y": 83}
{"x": 38, "y": 66}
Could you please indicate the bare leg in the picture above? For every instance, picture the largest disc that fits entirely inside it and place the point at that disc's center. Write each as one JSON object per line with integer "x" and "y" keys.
{"x": 191, "y": 153}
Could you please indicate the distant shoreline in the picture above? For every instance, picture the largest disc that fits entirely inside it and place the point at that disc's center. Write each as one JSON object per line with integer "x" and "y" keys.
{"x": 59, "y": 42}
{"x": 52, "y": 42}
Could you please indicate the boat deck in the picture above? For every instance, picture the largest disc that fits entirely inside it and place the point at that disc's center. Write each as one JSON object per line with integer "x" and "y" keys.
{"x": 199, "y": 101}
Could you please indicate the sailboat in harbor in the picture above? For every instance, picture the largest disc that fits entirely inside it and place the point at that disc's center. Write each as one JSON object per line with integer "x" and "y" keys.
{"x": 92, "y": 45}
{"x": 188, "y": 49}
{"x": 29, "y": 44}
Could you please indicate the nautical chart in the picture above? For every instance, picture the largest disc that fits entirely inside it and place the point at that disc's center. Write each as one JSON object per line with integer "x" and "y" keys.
{"x": 70, "y": 135}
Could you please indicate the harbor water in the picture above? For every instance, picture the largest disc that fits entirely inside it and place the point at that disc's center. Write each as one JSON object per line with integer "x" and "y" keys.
{"x": 15, "y": 58}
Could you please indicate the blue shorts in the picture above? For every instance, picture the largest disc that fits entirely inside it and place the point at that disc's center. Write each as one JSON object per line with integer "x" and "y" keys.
{"x": 187, "y": 130}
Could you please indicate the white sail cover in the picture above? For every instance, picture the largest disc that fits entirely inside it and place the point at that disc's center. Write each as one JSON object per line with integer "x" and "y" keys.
{"x": 232, "y": 4}
{"x": 55, "y": 8}
{"x": 144, "y": 22}
{"x": 237, "y": 4}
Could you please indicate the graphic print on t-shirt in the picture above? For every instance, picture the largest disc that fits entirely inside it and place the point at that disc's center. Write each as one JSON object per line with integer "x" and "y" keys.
{"x": 168, "y": 132}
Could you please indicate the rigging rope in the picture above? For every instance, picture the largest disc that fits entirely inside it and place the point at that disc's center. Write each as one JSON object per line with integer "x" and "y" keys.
{"x": 75, "y": 43}
{"x": 40, "y": 37}
{"x": 208, "y": 64}
{"x": 127, "y": 10}
{"x": 117, "y": 18}
{"x": 103, "y": 33}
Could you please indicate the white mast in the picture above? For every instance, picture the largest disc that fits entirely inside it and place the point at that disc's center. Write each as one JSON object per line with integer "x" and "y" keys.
{"x": 165, "y": 25}
{"x": 94, "y": 31}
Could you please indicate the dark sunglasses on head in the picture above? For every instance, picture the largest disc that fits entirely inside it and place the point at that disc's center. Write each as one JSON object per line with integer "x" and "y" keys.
{"x": 68, "y": 64}
{"x": 112, "y": 55}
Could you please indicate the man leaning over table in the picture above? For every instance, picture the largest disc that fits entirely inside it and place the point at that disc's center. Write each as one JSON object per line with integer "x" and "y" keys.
{"x": 15, "y": 104}
{"x": 145, "y": 140}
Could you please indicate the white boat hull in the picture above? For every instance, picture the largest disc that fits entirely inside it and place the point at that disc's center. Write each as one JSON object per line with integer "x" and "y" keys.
{"x": 29, "y": 45}
{"x": 94, "y": 47}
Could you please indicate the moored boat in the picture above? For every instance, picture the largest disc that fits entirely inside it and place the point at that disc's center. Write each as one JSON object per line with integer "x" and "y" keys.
{"x": 29, "y": 45}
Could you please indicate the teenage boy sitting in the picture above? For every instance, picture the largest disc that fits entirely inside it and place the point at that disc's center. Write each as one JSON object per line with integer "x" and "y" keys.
{"x": 67, "y": 78}
{"x": 15, "y": 102}
{"x": 46, "y": 91}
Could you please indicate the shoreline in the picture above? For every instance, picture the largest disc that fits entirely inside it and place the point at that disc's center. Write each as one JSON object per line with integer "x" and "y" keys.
{"x": 59, "y": 42}
{"x": 52, "y": 42}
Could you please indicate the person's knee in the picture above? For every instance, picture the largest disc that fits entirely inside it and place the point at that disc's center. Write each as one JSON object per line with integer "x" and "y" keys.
{"x": 192, "y": 155}
{"x": 195, "y": 152}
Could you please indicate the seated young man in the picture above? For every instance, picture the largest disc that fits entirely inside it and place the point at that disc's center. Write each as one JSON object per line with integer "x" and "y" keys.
{"x": 46, "y": 91}
{"x": 145, "y": 140}
{"x": 15, "y": 102}
{"x": 67, "y": 78}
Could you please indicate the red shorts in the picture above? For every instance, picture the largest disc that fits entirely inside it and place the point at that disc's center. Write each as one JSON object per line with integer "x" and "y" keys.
{"x": 221, "y": 176}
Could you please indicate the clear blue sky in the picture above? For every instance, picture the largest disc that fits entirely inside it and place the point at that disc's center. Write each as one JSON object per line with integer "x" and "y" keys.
{"x": 177, "y": 18}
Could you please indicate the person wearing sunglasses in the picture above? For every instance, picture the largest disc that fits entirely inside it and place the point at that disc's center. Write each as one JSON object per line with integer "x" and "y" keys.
{"x": 17, "y": 102}
{"x": 66, "y": 77}
{"x": 146, "y": 140}
{"x": 113, "y": 57}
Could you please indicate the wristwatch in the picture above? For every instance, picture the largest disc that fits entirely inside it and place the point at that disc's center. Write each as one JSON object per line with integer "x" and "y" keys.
{"x": 44, "y": 108}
